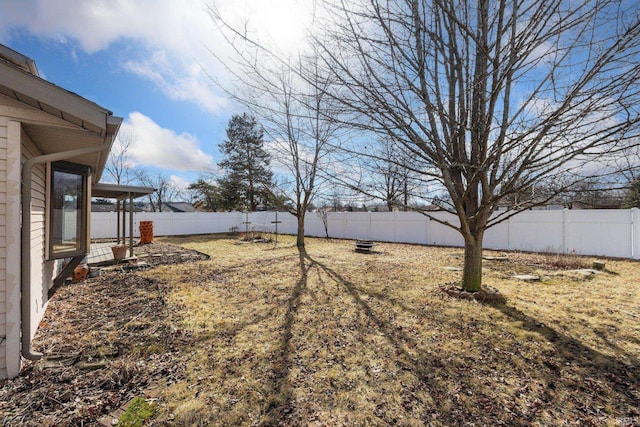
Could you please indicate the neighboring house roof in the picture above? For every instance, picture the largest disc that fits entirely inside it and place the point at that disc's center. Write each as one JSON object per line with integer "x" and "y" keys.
{"x": 179, "y": 206}
{"x": 89, "y": 125}
{"x": 96, "y": 207}
{"x": 99, "y": 207}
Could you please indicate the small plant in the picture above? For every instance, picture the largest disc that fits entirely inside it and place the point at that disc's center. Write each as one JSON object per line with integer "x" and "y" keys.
{"x": 138, "y": 411}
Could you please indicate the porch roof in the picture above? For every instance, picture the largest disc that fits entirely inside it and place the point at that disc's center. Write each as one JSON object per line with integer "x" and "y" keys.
{"x": 115, "y": 191}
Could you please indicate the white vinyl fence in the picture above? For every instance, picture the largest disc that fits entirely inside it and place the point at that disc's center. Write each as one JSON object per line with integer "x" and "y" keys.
{"x": 614, "y": 232}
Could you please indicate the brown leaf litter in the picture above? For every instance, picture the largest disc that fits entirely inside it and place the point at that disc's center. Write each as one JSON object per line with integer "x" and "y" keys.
{"x": 105, "y": 340}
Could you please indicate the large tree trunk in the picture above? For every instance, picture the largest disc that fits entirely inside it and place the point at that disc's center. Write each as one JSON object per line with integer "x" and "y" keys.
{"x": 472, "y": 271}
{"x": 300, "y": 236}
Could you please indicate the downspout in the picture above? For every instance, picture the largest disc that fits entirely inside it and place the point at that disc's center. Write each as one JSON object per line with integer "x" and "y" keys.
{"x": 25, "y": 284}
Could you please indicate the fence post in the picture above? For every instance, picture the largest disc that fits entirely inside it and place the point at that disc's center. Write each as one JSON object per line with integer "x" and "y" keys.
{"x": 345, "y": 224}
{"x": 395, "y": 226}
{"x": 564, "y": 230}
{"x": 635, "y": 233}
{"x": 509, "y": 233}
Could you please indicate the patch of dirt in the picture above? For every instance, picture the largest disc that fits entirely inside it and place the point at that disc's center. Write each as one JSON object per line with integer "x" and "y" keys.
{"x": 486, "y": 294}
{"x": 158, "y": 253}
{"x": 550, "y": 261}
{"x": 253, "y": 238}
{"x": 105, "y": 340}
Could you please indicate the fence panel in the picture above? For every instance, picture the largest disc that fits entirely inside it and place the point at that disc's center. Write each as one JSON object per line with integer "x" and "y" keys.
{"x": 541, "y": 231}
{"x": 412, "y": 227}
{"x": 602, "y": 232}
{"x": 634, "y": 217}
{"x": 613, "y": 233}
{"x": 103, "y": 225}
{"x": 497, "y": 237}
{"x": 338, "y": 225}
{"x": 384, "y": 226}
{"x": 440, "y": 234}
{"x": 313, "y": 225}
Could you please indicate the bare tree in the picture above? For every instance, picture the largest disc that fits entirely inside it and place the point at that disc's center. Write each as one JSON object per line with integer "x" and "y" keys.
{"x": 164, "y": 192}
{"x": 386, "y": 174}
{"x": 632, "y": 194}
{"x": 323, "y": 214}
{"x": 490, "y": 96}
{"x": 289, "y": 96}
{"x": 303, "y": 137}
{"x": 630, "y": 181}
{"x": 118, "y": 165}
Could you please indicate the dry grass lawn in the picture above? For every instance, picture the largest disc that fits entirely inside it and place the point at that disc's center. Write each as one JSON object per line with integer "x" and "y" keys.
{"x": 341, "y": 338}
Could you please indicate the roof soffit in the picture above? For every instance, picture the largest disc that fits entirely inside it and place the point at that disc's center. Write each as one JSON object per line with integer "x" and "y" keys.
{"x": 43, "y": 95}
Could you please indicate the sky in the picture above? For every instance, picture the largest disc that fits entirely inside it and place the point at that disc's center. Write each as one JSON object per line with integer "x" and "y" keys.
{"x": 151, "y": 62}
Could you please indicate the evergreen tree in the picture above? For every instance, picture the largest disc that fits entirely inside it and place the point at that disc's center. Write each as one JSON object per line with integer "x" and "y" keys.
{"x": 206, "y": 195}
{"x": 632, "y": 198}
{"x": 248, "y": 180}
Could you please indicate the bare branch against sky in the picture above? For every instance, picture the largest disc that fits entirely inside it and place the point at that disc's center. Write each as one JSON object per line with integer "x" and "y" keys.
{"x": 493, "y": 95}
{"x": 287, "y": 92}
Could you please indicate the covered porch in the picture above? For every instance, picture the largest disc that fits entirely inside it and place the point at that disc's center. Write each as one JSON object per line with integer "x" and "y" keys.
{"x": 122, "y": 194}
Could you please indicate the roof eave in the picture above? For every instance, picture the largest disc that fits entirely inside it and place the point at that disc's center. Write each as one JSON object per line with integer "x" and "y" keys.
{"x": 20, "y": 80}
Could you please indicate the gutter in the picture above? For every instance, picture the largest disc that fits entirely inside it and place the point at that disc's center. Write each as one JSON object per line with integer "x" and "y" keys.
{"x": 25, "y": 283}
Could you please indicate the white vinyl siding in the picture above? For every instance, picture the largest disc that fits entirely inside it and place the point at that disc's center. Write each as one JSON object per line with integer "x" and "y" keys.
{"x": 15, "y": 148}
{"x": 41, "y": 271}
{"x": 3, "y": 245}
{"x": 58, "y": 121}
{"x": 10, "y": 263}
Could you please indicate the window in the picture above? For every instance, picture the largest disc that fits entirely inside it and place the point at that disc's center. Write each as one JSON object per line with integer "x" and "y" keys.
{"x": 68, "y": 210}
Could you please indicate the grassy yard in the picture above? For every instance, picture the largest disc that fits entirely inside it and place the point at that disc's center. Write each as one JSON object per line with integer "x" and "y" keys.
{"x": 341, "y": 338}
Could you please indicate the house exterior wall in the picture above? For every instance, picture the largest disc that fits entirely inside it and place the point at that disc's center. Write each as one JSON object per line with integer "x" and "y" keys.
{"x": 3, "y": 246}
{"x": 15, "y": 149}
{"x": 42, "y": 272}
{"x": 36, "y": 116}
{"x": 12, "y": 248}
{"x": 9, "y": 248}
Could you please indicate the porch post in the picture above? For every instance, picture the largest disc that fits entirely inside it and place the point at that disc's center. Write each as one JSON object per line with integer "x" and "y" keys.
{"x": 124, "y": 221}
{"x": 118, "y": 221}
{"x": 130, "y": 224}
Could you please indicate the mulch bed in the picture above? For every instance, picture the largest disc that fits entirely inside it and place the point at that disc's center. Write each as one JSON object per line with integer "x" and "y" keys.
{"x": 486, "y": 295}
{"x": 106, "y": 340}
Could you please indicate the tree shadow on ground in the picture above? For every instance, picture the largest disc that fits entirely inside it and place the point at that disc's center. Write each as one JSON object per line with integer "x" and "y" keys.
{"x": 278, "y": 406}
{"x": 423, "y": 366}
{"x": 257, "y": 263}
{"x": 575, "y": 366}
{"x": 577, "y": 381}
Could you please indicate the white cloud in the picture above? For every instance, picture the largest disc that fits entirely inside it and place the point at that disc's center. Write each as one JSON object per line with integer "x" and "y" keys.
{"x": 95, "y": 24}
{"x": 170, "y": 39}
{"x": 183, "y": 82}
{"x": 282, "y": 162}
{"x": 281, "y": 23}
{"x": 153, "y": 145}
{"x": 179, "y": 182}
